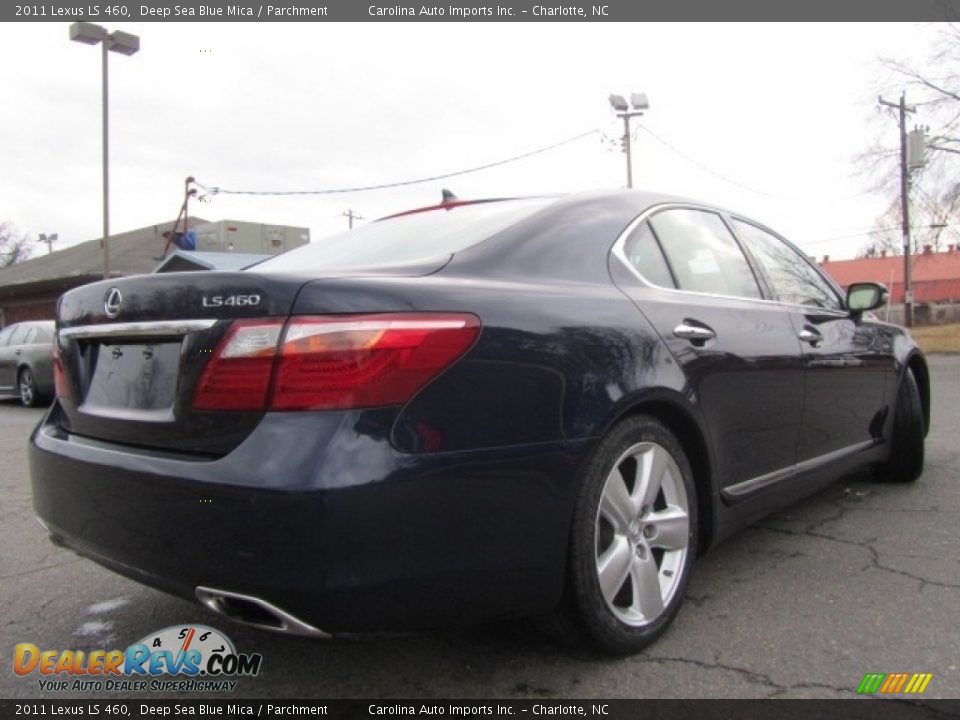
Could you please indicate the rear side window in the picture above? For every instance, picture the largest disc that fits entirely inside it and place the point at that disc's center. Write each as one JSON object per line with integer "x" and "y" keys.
{"x": 703, "y": 253}
{"x": 19, "y": 334}
{"x": 406, "y": 239}
{"x": 791, "y": 276}
{"x": 643, "y": 252}
{"x": 31, "y": 336}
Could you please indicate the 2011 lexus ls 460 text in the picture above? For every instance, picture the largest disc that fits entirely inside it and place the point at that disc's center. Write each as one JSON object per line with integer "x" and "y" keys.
{"x": 543, "y": 406}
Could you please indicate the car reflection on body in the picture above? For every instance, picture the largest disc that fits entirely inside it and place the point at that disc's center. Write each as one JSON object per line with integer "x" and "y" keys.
{"x": 26, "y": 361}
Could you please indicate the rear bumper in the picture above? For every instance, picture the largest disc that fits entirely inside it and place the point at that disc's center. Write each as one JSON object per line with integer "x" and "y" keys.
{"x": 328, "y": 523}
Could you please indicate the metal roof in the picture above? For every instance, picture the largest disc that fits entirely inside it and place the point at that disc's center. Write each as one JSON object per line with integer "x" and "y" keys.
{"x": 131, "y": 253}
{"x": 925, "y": 267}
{"x": 186, "y": 260}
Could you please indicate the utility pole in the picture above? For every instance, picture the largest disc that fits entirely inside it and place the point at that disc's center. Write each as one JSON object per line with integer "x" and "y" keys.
{"x": 187, "y": 193}
{"x": 903, "y": 109}
{"x": 351, "y": 216}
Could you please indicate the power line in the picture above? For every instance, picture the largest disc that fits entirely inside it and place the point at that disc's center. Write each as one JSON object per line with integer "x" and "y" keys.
{"x": 700, "y": 165}
{"x": 872, "y": 230}
{"x": 726, "y": 178}
{"x": 215, "y": 190}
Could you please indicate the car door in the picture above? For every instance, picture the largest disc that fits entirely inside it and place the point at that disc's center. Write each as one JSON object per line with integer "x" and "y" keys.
{"x": 847, "y": 361}
{"x": 738, "y": 350}
{"x": 8, "y": 358}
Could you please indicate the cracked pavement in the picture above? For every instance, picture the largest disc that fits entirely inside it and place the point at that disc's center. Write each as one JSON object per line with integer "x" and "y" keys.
{"x": 858, "y": 578}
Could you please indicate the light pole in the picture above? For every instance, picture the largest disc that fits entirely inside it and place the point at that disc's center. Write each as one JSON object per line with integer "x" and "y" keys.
{"x": 49, "y": 240}
{"x": 639, "y": 103}
{"x": 125, "y": 44}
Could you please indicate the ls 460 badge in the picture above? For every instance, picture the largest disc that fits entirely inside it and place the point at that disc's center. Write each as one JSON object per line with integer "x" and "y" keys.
{"x": 231, "y": 300}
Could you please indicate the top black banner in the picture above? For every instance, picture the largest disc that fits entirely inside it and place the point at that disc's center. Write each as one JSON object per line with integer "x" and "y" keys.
{"x": 479, "y": 11}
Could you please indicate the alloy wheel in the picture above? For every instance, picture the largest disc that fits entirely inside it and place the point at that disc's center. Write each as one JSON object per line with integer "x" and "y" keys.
{"x": 642, "y": 533}
{"x": 26, "y": 388}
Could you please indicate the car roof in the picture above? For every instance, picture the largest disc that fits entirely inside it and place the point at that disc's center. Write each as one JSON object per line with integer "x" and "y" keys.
{"x": 568, "y": 239}
{"x": 451, "y": 204}
{"x": 45, "y": 324}
{"x": 644, "y": 198}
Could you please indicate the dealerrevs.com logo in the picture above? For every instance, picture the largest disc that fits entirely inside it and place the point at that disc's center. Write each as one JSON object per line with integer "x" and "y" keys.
{"x": 181, "y": 658}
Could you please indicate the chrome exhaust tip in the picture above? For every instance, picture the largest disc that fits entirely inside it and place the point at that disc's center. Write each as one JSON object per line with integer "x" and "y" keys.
{"x": 256, "y": 612}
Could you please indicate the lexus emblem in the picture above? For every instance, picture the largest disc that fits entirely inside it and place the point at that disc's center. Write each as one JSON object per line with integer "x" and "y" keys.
{"x": 111, "y": 303}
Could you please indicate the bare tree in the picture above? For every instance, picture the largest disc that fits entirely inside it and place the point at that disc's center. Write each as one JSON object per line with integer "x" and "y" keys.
{"x": 933, "y": 87}
{"x": 14, "y": 246}
{"x": 884, "y": 238}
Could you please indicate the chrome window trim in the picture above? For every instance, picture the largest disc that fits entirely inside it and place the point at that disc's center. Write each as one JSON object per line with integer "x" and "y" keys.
{"x": 618, "y": 252}
{"x": 158, "y": 328}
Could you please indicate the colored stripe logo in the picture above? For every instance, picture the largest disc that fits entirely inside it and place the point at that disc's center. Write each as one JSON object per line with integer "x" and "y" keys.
{"x": 894, "y": 683}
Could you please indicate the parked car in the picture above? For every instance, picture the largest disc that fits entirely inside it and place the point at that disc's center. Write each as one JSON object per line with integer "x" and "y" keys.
{"x": 26, "y": 361}
{"x": 541, "y": 406}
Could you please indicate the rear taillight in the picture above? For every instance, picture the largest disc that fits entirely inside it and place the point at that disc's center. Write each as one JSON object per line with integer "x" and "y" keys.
{"x": 332, "y": 362}
{"x": 60, "y": 384}
{"x": 237, "y": 377}
{"x": 366, "y": 360}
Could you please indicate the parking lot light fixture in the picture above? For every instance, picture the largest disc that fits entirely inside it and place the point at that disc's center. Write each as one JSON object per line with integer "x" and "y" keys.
{"x": 125, "y": 44}
{"x": 49, "y": 239}
{"x": 638, "y": 103}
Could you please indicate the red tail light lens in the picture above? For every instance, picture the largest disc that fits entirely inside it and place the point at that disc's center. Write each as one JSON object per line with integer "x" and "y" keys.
{"x": 332, "y": 362}
{"x": 237, "y": 377}
{"x": 357, "y": 361}
{"x": 60, "y": 384}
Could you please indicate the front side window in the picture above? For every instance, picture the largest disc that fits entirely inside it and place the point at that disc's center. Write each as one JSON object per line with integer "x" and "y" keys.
{"x": 792, "y": 277}
{"x": 703, "y": 253}
{"x": 5, "y": 335}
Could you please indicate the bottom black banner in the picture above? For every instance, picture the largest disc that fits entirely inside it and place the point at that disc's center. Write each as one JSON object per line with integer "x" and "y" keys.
{"x": 600, "y": 709}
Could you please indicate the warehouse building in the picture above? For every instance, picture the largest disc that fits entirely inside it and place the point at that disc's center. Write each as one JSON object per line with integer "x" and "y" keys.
{"x": 29, "y": 290}
{"x": 934, "y": 276}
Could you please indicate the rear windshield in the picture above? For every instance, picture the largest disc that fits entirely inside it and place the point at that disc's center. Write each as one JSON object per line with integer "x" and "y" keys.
{"x": 406, "y": 239}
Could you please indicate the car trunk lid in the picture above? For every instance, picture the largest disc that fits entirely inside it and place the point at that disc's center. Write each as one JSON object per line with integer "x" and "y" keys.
{"x": 132, "y": 350}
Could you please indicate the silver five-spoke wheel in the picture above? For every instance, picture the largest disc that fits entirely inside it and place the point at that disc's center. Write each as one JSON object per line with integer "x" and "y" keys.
{"x": 632, "y": 540}
{"x": 28, "y": 390}
{"x": 642, "y": 533}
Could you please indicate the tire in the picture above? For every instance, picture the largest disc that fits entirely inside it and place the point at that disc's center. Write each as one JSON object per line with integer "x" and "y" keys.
{"x": 632, "y": 541}
{"x": 905, "y": 463}
{"x": 29, "y": 393}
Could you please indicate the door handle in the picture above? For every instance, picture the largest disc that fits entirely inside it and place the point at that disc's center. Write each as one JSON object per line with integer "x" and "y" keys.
{"x": 693, "y": 332}
{"x": 810, "y": 336}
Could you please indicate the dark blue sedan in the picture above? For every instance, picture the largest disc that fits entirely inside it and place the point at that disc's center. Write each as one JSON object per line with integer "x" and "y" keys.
{"x": 542, "y": 407}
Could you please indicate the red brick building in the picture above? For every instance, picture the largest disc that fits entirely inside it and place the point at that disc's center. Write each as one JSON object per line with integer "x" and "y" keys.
{"x": 935, "y": 276}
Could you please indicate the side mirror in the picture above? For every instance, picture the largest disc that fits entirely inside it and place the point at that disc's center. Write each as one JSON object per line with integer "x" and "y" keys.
{"x": 864, "y": 296}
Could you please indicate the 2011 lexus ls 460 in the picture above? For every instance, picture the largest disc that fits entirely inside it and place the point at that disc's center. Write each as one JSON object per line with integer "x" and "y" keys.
{"x": 541, "y": 407}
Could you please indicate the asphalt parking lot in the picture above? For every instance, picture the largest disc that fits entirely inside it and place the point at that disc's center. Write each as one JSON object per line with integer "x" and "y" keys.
{"x": 859, "y": 578}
